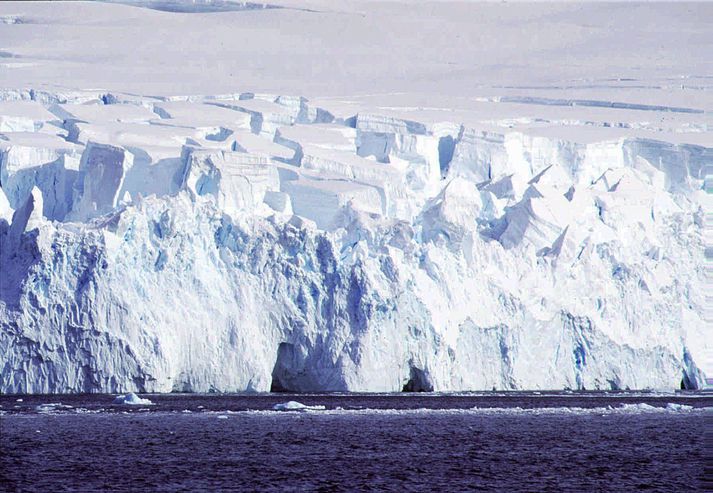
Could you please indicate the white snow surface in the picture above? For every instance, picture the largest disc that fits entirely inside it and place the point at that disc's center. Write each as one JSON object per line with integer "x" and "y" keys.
{"x": 379, "y": 196}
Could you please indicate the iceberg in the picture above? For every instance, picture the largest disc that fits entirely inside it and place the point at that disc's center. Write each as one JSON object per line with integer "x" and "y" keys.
{"x": 52, "y": 407}
{"x": 332, "y": 271}
{"x": 417, "y": 219}
{"x": 132, "y": 399}
{"x": 296, "y": 406}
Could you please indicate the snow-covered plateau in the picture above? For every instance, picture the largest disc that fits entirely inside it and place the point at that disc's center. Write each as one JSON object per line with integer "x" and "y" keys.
{"x": 547, "y": 234}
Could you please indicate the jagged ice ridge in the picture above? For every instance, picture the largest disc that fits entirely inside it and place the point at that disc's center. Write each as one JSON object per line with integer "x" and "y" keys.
{"x": 251, "y": 242}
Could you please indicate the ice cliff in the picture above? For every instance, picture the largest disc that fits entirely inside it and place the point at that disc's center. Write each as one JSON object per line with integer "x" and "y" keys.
{"x": 251, "y": 242}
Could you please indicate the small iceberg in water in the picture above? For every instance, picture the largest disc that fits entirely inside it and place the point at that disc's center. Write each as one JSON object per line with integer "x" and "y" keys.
{"x": 54, "y": 406}
{"x": 296, "y": 406}
{"x": 678, "y": 407}
{"x": 132, "y": 400}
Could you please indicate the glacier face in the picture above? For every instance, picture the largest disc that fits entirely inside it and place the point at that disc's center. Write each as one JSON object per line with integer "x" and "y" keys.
{"x": 252, "y": 242}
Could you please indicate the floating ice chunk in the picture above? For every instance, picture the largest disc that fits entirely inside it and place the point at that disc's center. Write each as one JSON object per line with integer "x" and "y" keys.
{"x": 131, "y": 399}
{"x": 638, "y": 407}
{"x": 54, "y": 406}
{"x": 296, "y": 406}
{"x": 671, "y": 406}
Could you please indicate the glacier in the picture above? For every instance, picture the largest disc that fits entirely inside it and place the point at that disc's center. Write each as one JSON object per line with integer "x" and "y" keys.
{"x": 298, "y": 211}
{"x": 364, "y": 261}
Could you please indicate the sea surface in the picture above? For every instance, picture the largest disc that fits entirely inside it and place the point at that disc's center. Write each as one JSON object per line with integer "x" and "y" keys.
{"x": 496, "y": 441}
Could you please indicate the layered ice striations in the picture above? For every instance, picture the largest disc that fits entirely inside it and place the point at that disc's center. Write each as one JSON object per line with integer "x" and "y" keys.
{"x": 252, "y": 242}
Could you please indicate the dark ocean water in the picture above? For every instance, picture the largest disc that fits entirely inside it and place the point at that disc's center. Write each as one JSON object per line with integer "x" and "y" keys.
{"x": 405, "y": 442}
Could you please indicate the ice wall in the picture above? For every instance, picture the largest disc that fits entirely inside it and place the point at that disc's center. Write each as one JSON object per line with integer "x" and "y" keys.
{"x": 369, "y": 254}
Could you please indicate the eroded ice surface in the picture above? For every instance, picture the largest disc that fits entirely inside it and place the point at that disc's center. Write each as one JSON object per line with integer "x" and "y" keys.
{"x": 180, "y": 229}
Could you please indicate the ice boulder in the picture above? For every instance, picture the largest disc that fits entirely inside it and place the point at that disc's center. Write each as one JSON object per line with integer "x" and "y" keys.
{"x": 479, "y": 156}
{"x": 536, "y": 220}
{"x": 552, "y": 177}
{"x": 320, "y": 200}
{"x": 628, "y": 204}
{"x": 394, "y": 140}
{"x": 52, "y": 407}
{"x": 132, "y": 399}
{"x": 682, "y": 165}
{"x": 42, "y": 160}
{"x": 279, "y": 201}
{"x": 237, "y": 181}
{"x": 509, "y": 188}
{"x": 101, "y": 176}
{"x": 296, "y": 406}
{"x": 454, "y": 212}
